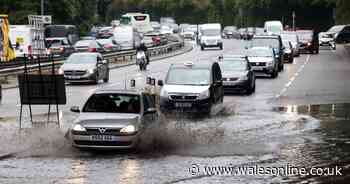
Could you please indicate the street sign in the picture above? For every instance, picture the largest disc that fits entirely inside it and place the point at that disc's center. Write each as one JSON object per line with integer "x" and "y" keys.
{"x": 42, "y": 89}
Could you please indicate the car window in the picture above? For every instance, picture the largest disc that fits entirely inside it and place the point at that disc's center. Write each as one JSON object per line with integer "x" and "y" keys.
{"x": 266, "y": 42}
{"x": 233, "y": 65}
{"x": 257, "y": 52}
{"x": 184, "y": 76}
{"x": 113, "y": 103}
{"x": 81, "y": 59}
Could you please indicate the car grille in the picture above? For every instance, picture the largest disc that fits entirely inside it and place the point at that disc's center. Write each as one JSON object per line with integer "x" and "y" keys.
{"x": 103, "y": 143}
{"x": 257, "y": 64}
{"x": 188, "y": 35}
{"x": 230, "y": 79}
{"x": 96, "y": 131}
{"x": 183, "y": 97}
{"x": 75, "y": 72}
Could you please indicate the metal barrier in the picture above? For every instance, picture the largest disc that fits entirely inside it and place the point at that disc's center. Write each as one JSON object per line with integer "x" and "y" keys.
{"x": 122, "y": 57}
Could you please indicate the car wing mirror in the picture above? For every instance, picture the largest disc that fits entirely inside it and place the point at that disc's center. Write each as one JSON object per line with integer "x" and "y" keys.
{"x": 160, "y": 83}
{"x": 104, "y": 61}
{"x": 151, "y": 110}
{"x": 75, "y": 109}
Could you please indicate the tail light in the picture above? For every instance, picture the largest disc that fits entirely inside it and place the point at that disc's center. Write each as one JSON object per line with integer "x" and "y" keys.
{"x": 92, "y": 50}
{"x": 108, "y": 46}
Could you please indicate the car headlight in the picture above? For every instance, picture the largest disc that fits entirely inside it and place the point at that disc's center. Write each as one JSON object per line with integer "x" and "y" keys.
{"x": 288, "y": 51}
{"x": 308, "y": 44}
{"x": 204, "y": 95}
{"x": 164, "y": 93}
{"x": 269, "y": 63}
{"x": 91, "y": 71}
{"x": 128, "y": 129}
{"x": 243, "y": 78}
{"x": 60, "y": 71}
{"x": 79, "y": 128}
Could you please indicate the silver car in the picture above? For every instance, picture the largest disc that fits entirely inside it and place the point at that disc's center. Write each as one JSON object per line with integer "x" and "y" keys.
{"x": 113, "y": 118}
{"x": 85, "y": 67}
{"x": 263, "y": 60}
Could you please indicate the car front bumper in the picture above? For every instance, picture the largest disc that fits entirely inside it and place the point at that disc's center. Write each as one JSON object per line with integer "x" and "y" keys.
{"x": 235, "y": 86}
{"x": 263, "y": 69}
{"x": 117, "y": 142}
{"x": 167, "y": 105}
{"x": 82, "y": 78}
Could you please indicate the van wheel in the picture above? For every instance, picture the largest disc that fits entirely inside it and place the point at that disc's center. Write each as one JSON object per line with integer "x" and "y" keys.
{"x": 202, "y": 48}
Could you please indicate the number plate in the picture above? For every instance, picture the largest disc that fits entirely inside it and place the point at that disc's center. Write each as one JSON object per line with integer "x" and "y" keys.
{"x": 74, "y": 77}
{"x": 102, "y": 138}
{"x": 182, "y": 105}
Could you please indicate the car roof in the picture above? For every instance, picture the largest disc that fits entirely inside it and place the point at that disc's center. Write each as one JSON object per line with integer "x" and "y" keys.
{"x": 86, "y": 53}
{"x": 243, "y": 57}
{"x": 114, "y": 89}
{"x": 197, "y": 65}
{"x": 266, "y": 36}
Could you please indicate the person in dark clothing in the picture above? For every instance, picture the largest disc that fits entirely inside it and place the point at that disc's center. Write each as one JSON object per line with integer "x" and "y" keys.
{"x": 143, "y": 47}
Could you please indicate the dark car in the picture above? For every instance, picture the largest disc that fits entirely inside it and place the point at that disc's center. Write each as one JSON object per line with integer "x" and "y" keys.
{"x": 192, "y": 87}
{"x": 288, "y": 52}
{"x": 237, "y": 74}
{"x": 230, "y": 32}
{"x": 59, "y": 46}
{"x": 341, "y": 33}
{"x": 274, "y": 41}
{"x": 308, "y": 41}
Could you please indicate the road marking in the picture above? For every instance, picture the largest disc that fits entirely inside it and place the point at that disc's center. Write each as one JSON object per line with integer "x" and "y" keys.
{"x": 292, "y": 79}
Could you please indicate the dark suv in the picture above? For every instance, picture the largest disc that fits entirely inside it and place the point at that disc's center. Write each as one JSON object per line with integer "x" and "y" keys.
{"x": 308, "y": 41}
{"x": 192, "y": 87}
{"x": 59, "y": 46}
{"x": 273, "y": 41}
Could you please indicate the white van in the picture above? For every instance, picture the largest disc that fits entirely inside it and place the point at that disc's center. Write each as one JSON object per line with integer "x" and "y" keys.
{"x": 274, "y": 27}
{"x": 210, "y": 36}
{"x": 21, "y": 39}
{"x": 127, "y": 37}
{"x": 140, "y": 21}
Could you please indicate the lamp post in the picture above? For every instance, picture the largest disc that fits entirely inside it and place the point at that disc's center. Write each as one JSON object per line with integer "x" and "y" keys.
{"x": 42, "y": 7}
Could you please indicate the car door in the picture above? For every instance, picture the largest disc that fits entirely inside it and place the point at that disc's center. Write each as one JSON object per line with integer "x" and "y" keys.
{"x": 148, "y": 102}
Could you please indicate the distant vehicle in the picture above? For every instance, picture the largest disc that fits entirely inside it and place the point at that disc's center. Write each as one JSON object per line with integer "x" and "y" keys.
{"x": 188, "y": 33}
{"x": 127, "y": 37}
{"x": 341, "y": 33}
{"x": 288, "y": 51}
{"x": 250, "y": 33}
{"x": 59, "y": 46}
{"x": 113, "y": 119}
{"x": 273, "y": 41}
{"x": 211, "y": 36}
{"x": 259, "y": 31}
{"x": 230, "y": 32}
{"x": 166, "y": 30}
{"x": 148, "y": 41}
{"x": 85, "y": 67}
{"x": 294, "y": 39}
{"x": 88, "y": 46}
{"x": 263, "y": 60}
{"x": 155, "y": 25}
{"x": 327, "y": 40}
{"x": 308, "y": 41}
{"x": 68, "y": 31}
{"x": 170, "y": 22}
{"x": 237, "y": 74}
{"x": 0, "y": 92}
{"x": 105, "y": 32}
{"x": 140, "y": 21}
{"x": 191, "y": 87}
{"x": 21, "y": 37}
{"x": 275, "y": 27}
{"x": 241, "y": 32}
{"x": 109, "y": 45}
{"x": 157, "y": 37}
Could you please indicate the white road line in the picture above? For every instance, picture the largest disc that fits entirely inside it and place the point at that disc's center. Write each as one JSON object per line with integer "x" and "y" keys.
{"x": 292, "y": 79}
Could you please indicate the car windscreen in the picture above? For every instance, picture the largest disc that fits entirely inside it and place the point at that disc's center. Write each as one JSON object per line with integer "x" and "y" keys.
{"x": 231, "y": 64}
{"x": 289, "y": 37}
{"x": 104, "y": 41}
{"x": 83, "y": 43}
{"x": 184, "y": 76}
{"x": 259, "y": 53}
{"x": 113, "y": 103}
{"x": 265, "y": 42}
{"x": 210, "y": 32}
{"x": 335, "y": 29}
{"x": 55, "y": 43}
{"x": 305, "y": 36}
{"x": 82, "y": 59}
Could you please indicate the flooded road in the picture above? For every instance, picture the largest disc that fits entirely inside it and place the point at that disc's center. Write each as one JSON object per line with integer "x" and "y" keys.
{"x": 302, "y": 136}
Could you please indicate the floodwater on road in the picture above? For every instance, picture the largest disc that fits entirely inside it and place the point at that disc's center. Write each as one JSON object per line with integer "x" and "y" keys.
{"x": 302, "y": 136}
